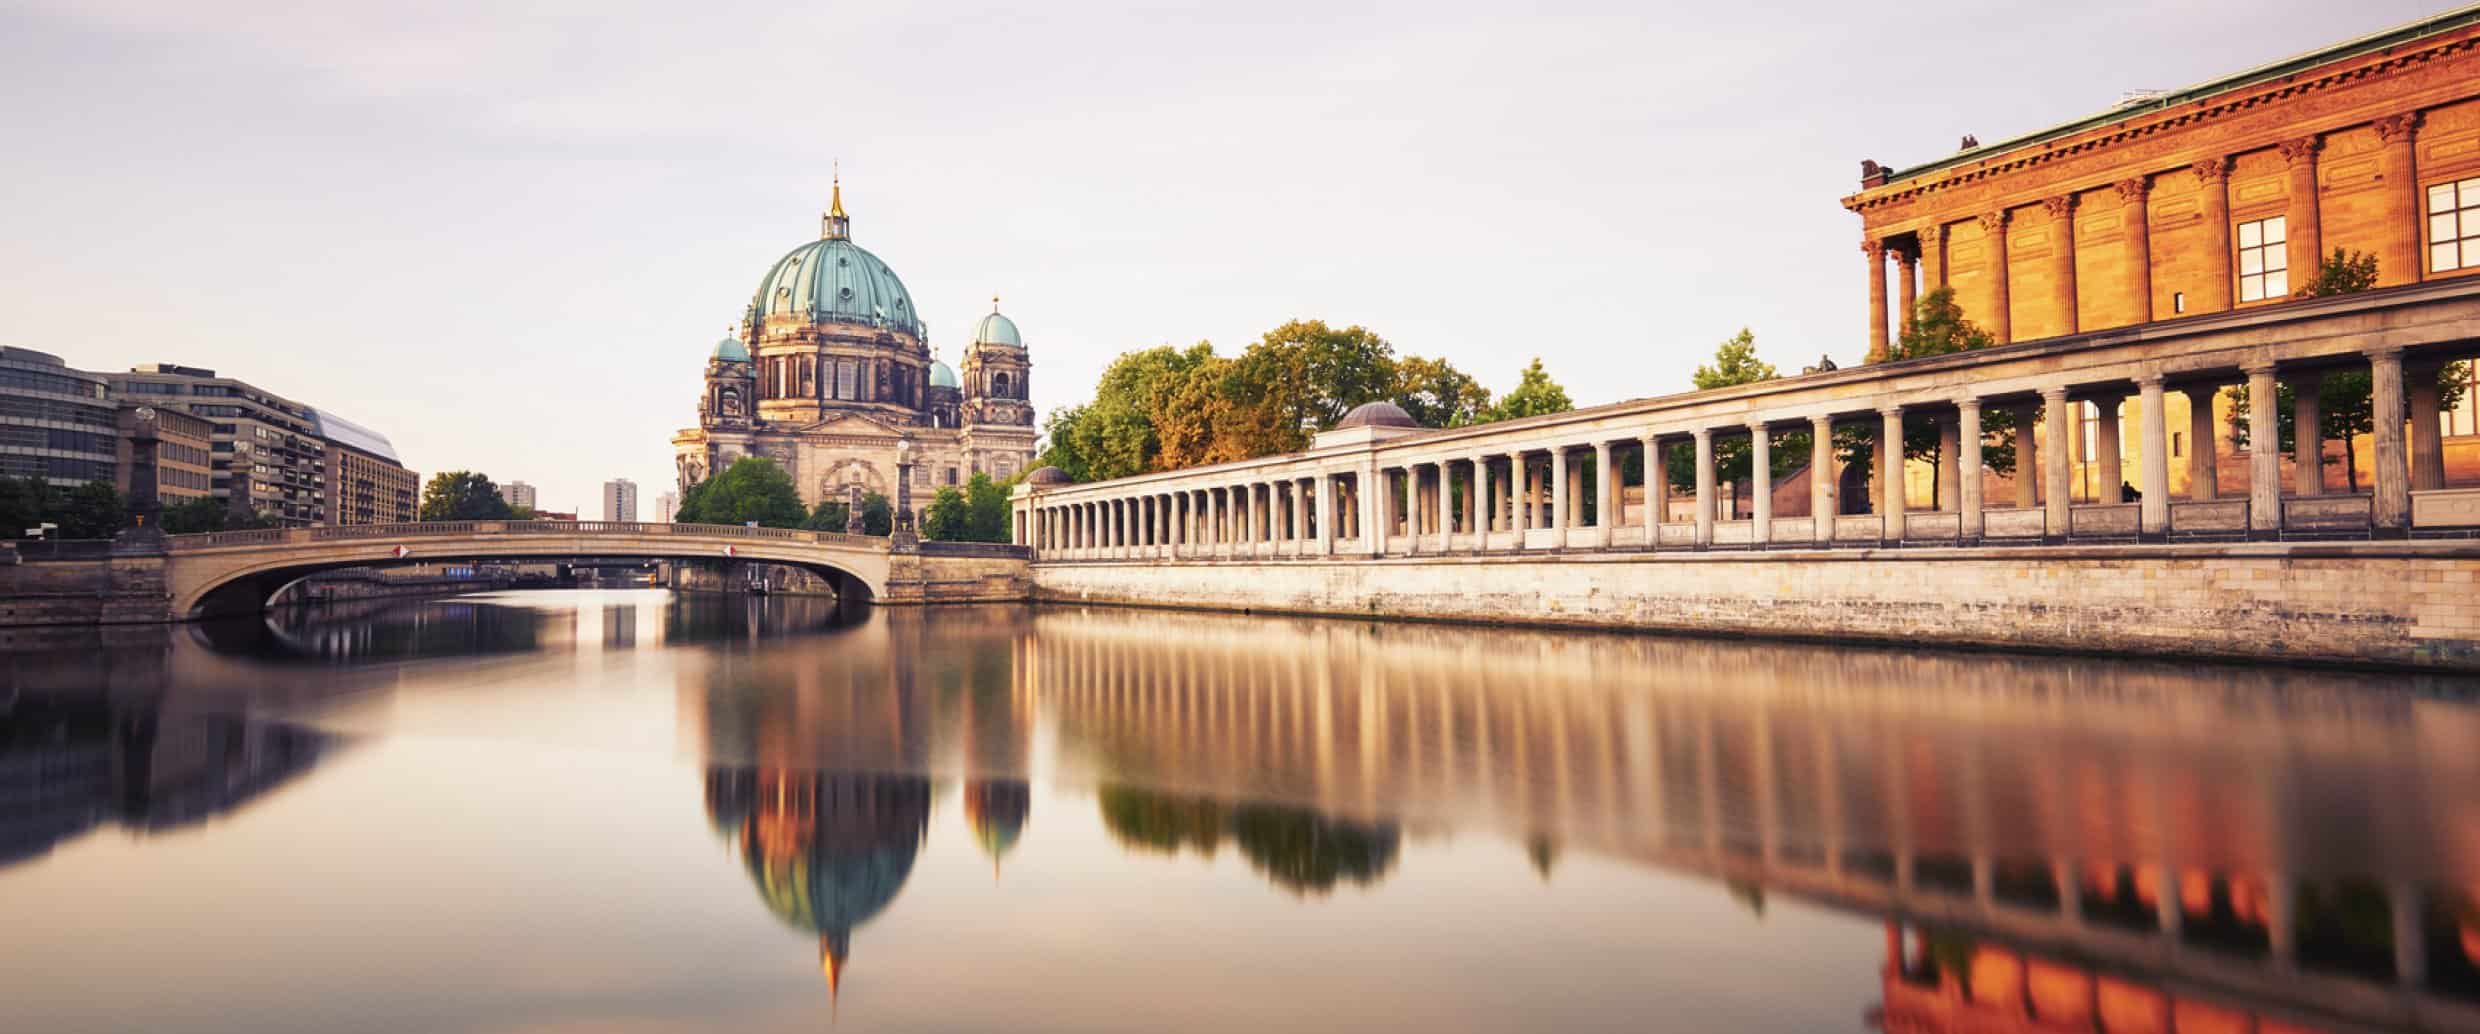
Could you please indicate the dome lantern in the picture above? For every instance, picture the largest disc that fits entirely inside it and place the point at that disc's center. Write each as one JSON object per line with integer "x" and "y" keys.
{"x": 836, "y": 226}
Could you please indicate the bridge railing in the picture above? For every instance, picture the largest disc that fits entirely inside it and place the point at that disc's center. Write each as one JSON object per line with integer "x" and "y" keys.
{"x": 350, "y": 532}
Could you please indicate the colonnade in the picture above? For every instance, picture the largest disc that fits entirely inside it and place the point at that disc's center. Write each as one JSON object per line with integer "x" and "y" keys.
{"x": 1237, "y": 519}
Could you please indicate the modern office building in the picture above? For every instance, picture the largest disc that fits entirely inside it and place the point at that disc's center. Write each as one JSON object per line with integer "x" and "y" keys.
{"x": 184, "y": 451}
{"x": 665, "y": 506}
{"x": 518, "y": 494}
{"x": 366, "y": 484}
{"x": 266, "y": 449}
{"x": 620, "y": 500}
{"x": 56, "y": 423}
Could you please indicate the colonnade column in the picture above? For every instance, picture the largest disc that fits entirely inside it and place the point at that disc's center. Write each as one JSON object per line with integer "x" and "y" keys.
{"x": 1300, "y": 517}
{"x": 1891, "y": 433}
{"x": 2307, "y": 433}
{"x": 1517, "y": 520}
{"x": 2264, "y": 454}
{"x": 2106, "y": 442}
{"x": 2392, "y": 506}
{"x": 1993, "y": 227}
{"x": 2134, "y": 197}
{"x": 2153, "y": 466}
{"x": 1950, "y": 467}
{"x": 2428, "y": 459}
{"x": 1605, "y": 495}
{"x": 1968, "y": 481}
{"x": 1822, "y": 484}
{"x": 1761, "y": 478}
{"x": 1370, "y": 491}
{"x": 2028, "y": 455}
{"x": 2213, "y": 189}
{"x": 1705, "y": 483}
{"x": 1875, "y": 252}
{"x": 2054, "y": 473}
{"x": 2203, "y": 480}
{"x": 1652, "y": 496}
{"x": 1560, "y": 518}
{"x": 1485, "y": 505}
{"x": 1445, "y": 498}
{"x": 2062, "y": 256}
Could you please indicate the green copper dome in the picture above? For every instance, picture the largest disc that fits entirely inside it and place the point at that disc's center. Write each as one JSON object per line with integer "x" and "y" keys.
{"x": 731, "y": 350}
{"x": 997, "y": 330}
{"x": 835, "y": 281}
{"x": 943, "y": 376}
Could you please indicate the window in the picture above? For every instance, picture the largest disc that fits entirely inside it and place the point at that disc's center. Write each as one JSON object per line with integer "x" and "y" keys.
{"x": 2178, "y": 443}
{"x": 2454, "y": 225}
{"x": 2264, "y": 263}
{"x": 951, "y": 475}
{"x": 846, "y": 372}
{"x": 2178, "y": 301}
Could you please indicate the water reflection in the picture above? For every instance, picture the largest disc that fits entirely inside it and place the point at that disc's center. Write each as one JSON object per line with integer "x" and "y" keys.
{"x": 828, "y": 851}
{"x": 72, "y": 763}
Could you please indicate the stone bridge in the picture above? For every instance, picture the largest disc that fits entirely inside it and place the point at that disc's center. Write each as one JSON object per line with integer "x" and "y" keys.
{"x": 238, "y": 571}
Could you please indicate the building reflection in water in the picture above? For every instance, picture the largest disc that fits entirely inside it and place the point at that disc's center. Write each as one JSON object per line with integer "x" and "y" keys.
{"x": 2272, "y": 843}
{"x": 827, "y": 850}
{"x": 70, "y": 763}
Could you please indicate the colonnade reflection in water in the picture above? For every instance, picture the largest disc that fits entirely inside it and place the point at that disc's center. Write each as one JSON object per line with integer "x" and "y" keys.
{"x": 2051, "y": 843}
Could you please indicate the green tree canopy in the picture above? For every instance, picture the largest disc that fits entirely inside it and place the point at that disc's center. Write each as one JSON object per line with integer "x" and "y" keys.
{"x": 206, "y": 514}
{"x": 1936, "y": 326}
{"x": 1735, "y": 362}
{"x": 462, "y": 495}
{"x": 753, "y": 488}
{"x": 1535, "y": 394}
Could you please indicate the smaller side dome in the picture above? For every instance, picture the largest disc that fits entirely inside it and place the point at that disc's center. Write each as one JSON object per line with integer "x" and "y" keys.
{"x": 1377, "y": 414}
{"x": 996, "y": 329}
{"x": 943, "y": 376}
{"x": 731, "y": 350}
{"x": 1048, "y": 476}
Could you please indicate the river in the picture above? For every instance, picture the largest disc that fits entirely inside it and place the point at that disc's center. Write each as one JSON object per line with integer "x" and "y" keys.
{"x": 630, "y": 811}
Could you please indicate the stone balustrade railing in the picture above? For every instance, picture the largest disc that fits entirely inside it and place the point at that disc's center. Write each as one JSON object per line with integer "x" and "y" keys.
{"x": 461, "y": 529}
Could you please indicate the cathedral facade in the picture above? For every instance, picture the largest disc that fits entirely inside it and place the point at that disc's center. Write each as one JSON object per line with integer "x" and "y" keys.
{"x": 831, "y": 376}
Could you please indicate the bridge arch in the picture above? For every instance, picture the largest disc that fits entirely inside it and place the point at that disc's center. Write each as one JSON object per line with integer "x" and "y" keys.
{"x": 238, "y": 572}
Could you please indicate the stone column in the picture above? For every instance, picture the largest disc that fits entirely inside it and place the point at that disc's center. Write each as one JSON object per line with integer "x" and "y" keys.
{"x": 1605, "y": 493}
{"x": 1299, "y": 531}
{"x": 2264, "y": 454}
{"x": 2428, "y": 458}
{"x": 1442, "y": 507}
{"x": 1891, "y": 418}
{"x": 1375, "y": 506}
{"x": 1704, "y": 487}
{"x": 1761, "y": 478}
{"x": 2153, "y": 458}
{"x": 1950, "y": 466}
{"x": 1649, "y": 501}
{"x": 1560, "y": 518}
{"x": 2392, "y": 506}
{"x": 2307, "y": 433}
{"x": 1998, "y": 319}
{"x": 1325, "y": 521}
{"x": 2213, "y": 188}
{"x": 1875, "y": 252}
{"x": 2105, "y": 442}
{"x": 2400, "y": 261}
{"x": 1907, "y": 286}
{"x": 1214, "y": 522}
{"x": 2055, "y": 474}
{"x": 2132, "y": 195}
{"x": 1485, "y": 504}
{"x": 2028, "y": 456}
{"x": 2203, "y": 479}
{"x": 1968, "y": 451}
{"x": 2299, "y": 216}
{"x": 1933, "y": 257}
{"x": 1658, "y": 485}
{"x": 2061, "y": 211}
{"x": 1822, "y": 483}
{"x": 1516, "y": 497}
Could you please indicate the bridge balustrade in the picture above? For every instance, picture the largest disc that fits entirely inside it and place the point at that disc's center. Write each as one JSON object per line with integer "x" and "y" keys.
{"x": 355, "y": 532}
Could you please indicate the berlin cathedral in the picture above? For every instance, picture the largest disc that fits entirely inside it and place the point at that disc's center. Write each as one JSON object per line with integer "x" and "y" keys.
{"x": 831, "y": 376}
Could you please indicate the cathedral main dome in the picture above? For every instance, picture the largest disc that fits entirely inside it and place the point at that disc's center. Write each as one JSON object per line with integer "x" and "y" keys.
{"x": 836, "y": 281}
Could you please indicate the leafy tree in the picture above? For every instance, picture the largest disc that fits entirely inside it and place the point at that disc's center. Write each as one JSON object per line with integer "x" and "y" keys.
{"x": 828, "y": 515}
{"x": 1115, "y": 434}
{"x": 989, "y": 500}
{"x": 948, "y": 517}
{"x": 89, "y": 511}
{"x": 2345, "y": 400}
{"x": 2341, "y": 273}
{"x": 1323, "y": 372}
{"x": 1735, "y": 362}
{"x": 206, "y": 514}
{"x": 524, "y": 513}
{"x": 1436, "y": 394}
{"x": 878, "y": 516}
{"x": 462, "y": 495}
{"x": 1535, "y": 394}
{"x": 753, "y": 488}
{"x": 1936, "y": 327}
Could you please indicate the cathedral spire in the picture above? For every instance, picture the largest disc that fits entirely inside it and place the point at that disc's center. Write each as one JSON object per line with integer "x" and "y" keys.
{"x": 837, "y": 226}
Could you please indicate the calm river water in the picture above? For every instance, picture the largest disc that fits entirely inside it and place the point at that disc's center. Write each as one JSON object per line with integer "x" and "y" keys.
{"x": 628, "y": 811}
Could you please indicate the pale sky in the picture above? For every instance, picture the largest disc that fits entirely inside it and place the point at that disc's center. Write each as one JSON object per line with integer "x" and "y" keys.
{"x": 506, "y": 234}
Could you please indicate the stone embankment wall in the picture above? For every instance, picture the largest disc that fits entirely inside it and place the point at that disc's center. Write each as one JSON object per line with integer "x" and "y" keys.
{"x": 2413, "y": 604}
{"x": 102, "y": 591}
{"x": 926, "y": 578}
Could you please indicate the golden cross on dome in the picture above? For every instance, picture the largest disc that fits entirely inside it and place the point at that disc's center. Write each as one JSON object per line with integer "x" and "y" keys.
{"x": 994, "y": 303}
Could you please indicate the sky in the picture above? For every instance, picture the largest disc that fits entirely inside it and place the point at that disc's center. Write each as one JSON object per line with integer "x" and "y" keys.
{"x": 507, "y": 234}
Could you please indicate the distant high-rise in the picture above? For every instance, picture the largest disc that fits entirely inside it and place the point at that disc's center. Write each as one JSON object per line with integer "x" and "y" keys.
{"x": 518, "y": 493}
{"x": 665, "y": 506}
{"x": 620, "y": 500}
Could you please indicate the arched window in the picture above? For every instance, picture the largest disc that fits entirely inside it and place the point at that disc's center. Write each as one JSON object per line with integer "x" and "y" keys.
{"x": 999, "y": 386}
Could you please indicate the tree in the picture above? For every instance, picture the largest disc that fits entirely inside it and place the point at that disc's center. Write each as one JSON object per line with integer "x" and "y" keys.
{"x": 1535, "y": 394}
{"x": 2341, "y": 273}
{"x": 89, "y": 511}
{"x": 206, "y": 514}
{"x": 1735, "y": 362}
{"x": 462, "y": 495}
{"x": 948, "y": 517}
{"x": 989, "y": 500}
{"x": 1436, "y": 394}
{"x": 1936, "y": 327}
{"x": 753, "y": 488}
{"x": 1320, "y": 372}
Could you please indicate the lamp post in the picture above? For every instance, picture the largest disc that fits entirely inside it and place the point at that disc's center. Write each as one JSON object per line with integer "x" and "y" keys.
{"x": 903, "y": 535}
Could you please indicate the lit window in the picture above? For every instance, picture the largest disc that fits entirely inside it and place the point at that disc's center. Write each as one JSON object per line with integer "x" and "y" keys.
{"x": 2454, "y": 225}
{"x": 2178, "y": 301}
{"x": 2264, "y": 263}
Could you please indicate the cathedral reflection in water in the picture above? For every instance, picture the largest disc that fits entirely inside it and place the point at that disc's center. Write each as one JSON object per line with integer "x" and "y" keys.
{"x": 2051, "y": 844}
